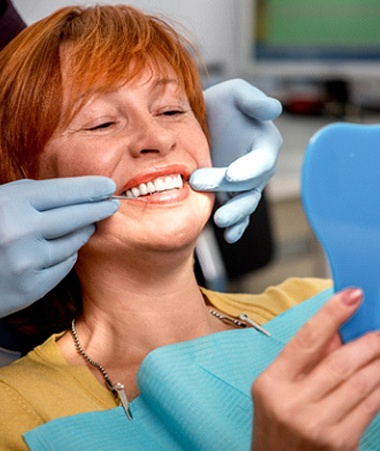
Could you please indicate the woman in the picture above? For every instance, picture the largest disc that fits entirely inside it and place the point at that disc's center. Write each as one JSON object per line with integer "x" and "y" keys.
{"x": 251, "y": 136}
{"x": 110, "y": 91}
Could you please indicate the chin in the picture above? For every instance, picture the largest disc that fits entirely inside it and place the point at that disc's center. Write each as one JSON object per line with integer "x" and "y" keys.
{"x": 161, "y": 229}
{"x": 171, "y": 239}
{"x": 173, "y": 232}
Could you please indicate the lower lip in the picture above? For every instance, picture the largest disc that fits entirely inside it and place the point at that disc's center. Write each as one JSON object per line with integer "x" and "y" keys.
{"x": 173, "y": 196}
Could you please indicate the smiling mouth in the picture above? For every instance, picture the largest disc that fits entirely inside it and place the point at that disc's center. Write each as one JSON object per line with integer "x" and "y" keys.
{"x": 157, "y": 185}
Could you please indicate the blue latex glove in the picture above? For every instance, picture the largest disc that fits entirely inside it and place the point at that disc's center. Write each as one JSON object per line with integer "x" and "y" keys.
{"x": 43, "y": 224}
{"x": 245, "y": 146}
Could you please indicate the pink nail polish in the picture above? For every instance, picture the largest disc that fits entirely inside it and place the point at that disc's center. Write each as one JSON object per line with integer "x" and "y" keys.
{"x": 352, "y": 296}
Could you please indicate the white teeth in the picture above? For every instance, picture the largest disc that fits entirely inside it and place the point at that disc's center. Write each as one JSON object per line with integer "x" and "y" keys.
{"x": 143, "y": 189}
{"x": 135, "y": 192}
{"x": 170, "y": 182}
{"x": 150, "y": 187}
{"x": 158, "y": 185}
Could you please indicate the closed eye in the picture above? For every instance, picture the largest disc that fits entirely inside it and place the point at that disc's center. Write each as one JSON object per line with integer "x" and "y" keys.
{"x": 173, "y": 112}
{"x": 101, "y": 126}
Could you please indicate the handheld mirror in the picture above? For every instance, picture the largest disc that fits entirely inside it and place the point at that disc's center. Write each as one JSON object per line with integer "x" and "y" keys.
{"x": 341, "y": 197}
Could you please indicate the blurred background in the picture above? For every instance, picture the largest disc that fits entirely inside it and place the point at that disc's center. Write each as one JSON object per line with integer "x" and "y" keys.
{"x": 321, "y": 59}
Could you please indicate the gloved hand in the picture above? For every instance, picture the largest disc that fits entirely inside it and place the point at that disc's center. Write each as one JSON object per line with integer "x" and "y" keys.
{"x": 43, "y": 224}
{"x": 245, "y": 146}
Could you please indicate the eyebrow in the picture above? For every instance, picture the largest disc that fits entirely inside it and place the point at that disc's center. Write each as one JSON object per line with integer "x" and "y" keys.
{"x": 162, "y": 82}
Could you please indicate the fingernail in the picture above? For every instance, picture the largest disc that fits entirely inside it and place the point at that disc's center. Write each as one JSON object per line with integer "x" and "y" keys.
{"x": 352, "y": 296}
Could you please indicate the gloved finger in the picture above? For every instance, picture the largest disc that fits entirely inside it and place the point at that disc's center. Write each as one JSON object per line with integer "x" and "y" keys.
{"x": 235, "y": 232}
{"x": 255, "y": 103}
{"x": 207, "y": 179}
{"x": 214, "y": 179}
{"x": 260, "y": 159}
{"x": 62, "y": 221}
{"x": 65, "y": 248}
{"x": 251, "y": 168}
{"x": 50, "y": 277}
{"x": 50, "y": 262}
{"x": 31, "y": 255}
{"x": 237, "y": 208}
{"x": 54, "y": 193}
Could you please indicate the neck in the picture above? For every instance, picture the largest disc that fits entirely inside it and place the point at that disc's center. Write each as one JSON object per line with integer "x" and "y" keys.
{"x": 140, "y": 306}
{"x": 132, "y": 309}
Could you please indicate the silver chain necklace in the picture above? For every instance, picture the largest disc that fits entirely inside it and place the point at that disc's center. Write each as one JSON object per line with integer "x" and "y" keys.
{"x": 118, "y": 389}
{"x": 245, "y": 321}
{"x": 227, "y": 319}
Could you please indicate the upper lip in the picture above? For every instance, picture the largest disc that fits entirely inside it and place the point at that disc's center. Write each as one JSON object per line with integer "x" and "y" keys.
{"x": 155, "y": 173}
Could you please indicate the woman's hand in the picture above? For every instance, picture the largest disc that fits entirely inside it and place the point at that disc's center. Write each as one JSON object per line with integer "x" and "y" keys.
{"x": 319, "y": 394}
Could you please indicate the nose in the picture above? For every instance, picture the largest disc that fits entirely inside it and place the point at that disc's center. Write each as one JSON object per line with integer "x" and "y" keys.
{"x": 152, "y": 136}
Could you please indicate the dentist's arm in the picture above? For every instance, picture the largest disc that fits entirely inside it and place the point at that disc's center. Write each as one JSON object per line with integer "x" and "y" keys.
{"x": 245, "y": 146}
{"x": 43, "y": 224}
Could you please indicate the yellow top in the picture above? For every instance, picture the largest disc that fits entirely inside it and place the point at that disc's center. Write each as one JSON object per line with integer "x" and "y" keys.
{"x": 41, "y": 386}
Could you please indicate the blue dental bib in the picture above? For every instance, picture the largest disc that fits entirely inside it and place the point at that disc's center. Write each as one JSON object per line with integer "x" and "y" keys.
{"x": 195, "y": 395}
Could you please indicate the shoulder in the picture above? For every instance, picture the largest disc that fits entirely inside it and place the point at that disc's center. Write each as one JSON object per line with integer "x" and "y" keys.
{"x": 45, "y": 386}
{"x": 34, "y": 365}
{"x": 21, "y": 383}
{"x": 26, "y": 378}
{"x": 273, "y": 301}
{"x": 17, "y": 415}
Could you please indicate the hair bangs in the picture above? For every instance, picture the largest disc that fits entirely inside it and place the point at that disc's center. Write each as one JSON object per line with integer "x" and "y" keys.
{"x": 110, "y": 47}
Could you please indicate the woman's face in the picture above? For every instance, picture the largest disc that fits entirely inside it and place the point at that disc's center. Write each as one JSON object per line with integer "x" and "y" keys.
{"x": 145, "y": 137}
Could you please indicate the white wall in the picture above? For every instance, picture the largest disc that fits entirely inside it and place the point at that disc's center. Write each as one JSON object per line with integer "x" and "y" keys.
{"x": 212, "y": 23}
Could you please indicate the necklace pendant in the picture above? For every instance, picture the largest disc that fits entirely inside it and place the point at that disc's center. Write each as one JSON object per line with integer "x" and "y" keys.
{"x": 255, "y": 325}
{"x": 118, "y": 391}
{"x": 226, "y": 319}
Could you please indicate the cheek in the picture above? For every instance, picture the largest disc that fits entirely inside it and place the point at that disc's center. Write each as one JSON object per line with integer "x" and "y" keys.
{"x": 56, "y": 161}
{"x": 205, "y": 207}
{"x": 52, "y": 167}
{"x": 46, "y": 168}
{"x": 201, "y": 151}
{"x": 60, "y": 160}
{"x": 205, "y": 158}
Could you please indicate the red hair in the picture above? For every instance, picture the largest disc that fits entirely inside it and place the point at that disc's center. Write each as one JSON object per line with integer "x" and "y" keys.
{"x": 109, "y": 46}
{"x": 106, "y": 47}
